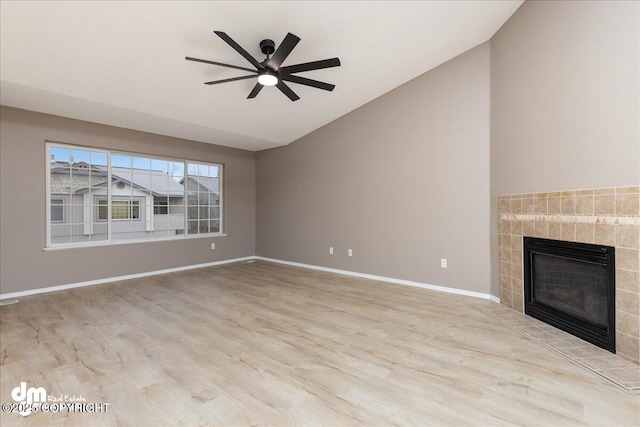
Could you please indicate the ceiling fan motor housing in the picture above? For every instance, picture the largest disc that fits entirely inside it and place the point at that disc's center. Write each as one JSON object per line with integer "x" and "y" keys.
{"x": 267, "y": 46}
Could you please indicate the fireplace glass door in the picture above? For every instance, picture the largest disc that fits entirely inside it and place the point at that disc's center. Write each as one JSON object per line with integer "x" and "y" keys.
{"x": 572, "y": 286}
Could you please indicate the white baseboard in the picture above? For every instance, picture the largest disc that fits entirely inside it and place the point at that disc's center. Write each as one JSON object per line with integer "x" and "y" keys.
{"x": 115, "y": 279}
{"x": 250, "y": 258}
{"x": 386, "y": 279}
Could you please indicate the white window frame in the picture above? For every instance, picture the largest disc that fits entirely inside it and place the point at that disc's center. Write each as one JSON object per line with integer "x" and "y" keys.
{"x": 109, "y": 240}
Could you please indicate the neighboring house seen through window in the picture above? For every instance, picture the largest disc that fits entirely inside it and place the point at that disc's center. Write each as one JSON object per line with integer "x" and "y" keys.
{"x": 99, "y": 196}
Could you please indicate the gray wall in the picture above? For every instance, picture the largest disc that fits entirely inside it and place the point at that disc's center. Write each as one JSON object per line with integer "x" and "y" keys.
{"x": 23, "y": 263}
{"x": 565, "y": 97}
{"x": 403, "y": 181}
{"x": 565, "y": 100}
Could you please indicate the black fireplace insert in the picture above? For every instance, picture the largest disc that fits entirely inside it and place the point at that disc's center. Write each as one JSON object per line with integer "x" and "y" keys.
{"x": 572, "y": 286}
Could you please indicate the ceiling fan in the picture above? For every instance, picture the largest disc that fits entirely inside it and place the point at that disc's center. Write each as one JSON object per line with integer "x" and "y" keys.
{"x": 269, "y": 71}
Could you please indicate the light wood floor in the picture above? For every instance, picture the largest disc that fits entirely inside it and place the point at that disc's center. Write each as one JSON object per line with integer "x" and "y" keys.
{"x": 265, "y": 344}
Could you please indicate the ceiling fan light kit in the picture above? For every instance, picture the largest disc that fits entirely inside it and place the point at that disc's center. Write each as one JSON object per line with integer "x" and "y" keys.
{"x": 267, "y": 78}
{"x": 269, "y": 72}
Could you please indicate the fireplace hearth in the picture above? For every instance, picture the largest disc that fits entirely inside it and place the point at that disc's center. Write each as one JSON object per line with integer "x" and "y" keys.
{"x": 572, "y": 286}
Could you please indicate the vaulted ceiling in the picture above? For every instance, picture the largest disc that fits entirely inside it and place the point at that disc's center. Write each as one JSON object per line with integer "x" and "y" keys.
{"x": 122, "y": 63}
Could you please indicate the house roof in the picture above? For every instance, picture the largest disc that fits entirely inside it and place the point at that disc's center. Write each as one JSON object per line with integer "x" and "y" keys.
{"x": 210, "y": 184}
{"x": 79, "y": 168}
{"x": 158, "y": 183}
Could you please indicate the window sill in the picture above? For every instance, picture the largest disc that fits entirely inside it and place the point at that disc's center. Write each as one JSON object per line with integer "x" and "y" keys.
{"x": 65, "y": 246}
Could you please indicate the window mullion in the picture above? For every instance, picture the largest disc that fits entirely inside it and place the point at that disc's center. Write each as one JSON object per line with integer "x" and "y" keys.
{"x": 186, "y": 197}
{"x": 109, "y": 197}
{"x": 48, "y": 201}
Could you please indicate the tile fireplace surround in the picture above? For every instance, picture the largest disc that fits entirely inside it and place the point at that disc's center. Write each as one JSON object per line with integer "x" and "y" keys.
{"x": 604, "y": 216}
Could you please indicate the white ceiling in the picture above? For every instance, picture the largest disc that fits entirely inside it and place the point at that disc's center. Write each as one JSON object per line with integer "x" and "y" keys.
{"x": 122, "y": 63}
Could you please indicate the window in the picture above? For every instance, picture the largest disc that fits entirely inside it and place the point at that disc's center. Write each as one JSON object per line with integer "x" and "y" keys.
{"x": 57, "y": 210}
{"x": 120, "y": 209}
{"x": 103, "y": 210}
{"x": 99, "y": 196}
{"x": 160, "y": 207}
{"x": 203, "y": 197}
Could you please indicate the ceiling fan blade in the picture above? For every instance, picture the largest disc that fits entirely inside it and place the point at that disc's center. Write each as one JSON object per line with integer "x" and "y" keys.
{"x": 255, "y": 91}
{"x": 287, "y": 91}
{"x": 309, "y": 66}
{"x": 188, "y": 58}
{"x": 308, "y": 82}
{"x": 215, "y": 82}
{"x": 290, "y": 41}
{"x": 239, "y": 49}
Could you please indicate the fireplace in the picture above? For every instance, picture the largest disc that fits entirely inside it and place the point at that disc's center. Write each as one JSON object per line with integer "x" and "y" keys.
{"x": 571, "y": 286}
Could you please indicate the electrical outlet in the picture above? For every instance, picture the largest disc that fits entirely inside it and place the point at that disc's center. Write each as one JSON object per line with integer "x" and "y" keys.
{"x": 443, "y": 263}
{"x": 350, "y": 252}
{"x": 330, "y": 250}
{"x": 213, "y": 246}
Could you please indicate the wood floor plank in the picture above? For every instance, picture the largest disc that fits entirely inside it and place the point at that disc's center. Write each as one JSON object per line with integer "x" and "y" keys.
{"x": 267, "y": 344}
